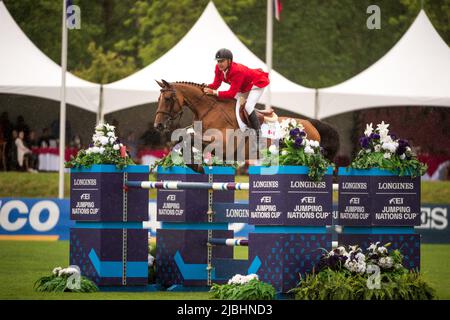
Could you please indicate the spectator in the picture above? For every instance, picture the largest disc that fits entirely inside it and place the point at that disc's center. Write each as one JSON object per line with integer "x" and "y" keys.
{"x": 6, "y": 129}
{"x": 33, "y": 143}
{"x": 76, "y": 142}
{"x": 44, "y": 140}
{"x": 12, "y": 152}
{"x": 130, "y": 143}
{"x": 22, "y": 126}
{"x": 23, "y": 153}
{"x": 55, "y": 130}
{"x": 151, "y": 137}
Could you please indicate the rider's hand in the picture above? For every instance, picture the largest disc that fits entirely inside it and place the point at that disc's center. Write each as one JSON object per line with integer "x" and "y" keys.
{"x": 208, "y": 91}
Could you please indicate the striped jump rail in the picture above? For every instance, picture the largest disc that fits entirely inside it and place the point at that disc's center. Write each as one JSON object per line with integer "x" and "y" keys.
{"x": 177, "y": 185}
{"x": 228, "y": 242}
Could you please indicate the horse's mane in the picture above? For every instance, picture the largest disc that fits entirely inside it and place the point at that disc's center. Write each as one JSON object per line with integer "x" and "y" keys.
{"x": 201, "y": 86}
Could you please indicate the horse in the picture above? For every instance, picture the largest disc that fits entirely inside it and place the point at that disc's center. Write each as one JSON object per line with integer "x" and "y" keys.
{"x": 221, "y": 115}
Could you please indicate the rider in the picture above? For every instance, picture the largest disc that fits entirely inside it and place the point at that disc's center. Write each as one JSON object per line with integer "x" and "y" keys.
{"x": 246, "y": 82}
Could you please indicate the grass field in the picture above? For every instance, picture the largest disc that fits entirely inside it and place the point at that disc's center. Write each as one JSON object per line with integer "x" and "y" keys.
{"x": 45, "y": 185}
{"x": 22, "y": 263}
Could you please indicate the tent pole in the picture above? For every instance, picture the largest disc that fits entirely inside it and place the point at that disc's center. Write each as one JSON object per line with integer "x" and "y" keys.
{"x": 100, "y": 115}
{"x": 316, "y": 104}
{"x": 269, "y": 38}
{"x": 62, "y": 115}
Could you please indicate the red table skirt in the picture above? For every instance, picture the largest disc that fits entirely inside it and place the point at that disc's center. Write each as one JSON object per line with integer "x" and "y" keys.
{"x": 55, "y": 151}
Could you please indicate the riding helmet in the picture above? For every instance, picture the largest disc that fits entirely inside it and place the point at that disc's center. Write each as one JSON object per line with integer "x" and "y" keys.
{"x": 224, "y": 54}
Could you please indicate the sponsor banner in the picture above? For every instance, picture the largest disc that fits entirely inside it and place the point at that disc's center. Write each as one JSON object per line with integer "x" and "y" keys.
{"x": 26, "y": 219}
{"x": 49, "y": 219}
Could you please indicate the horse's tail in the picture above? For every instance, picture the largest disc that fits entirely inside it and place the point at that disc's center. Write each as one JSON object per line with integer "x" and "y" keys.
{"x": 329, "y": 138}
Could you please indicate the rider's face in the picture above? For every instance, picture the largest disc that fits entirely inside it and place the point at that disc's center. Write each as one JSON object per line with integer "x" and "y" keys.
{"x": 223, "y": 64}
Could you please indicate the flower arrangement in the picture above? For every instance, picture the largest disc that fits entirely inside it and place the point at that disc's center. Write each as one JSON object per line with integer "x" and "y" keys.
{"x": 104, "y": 149}
{"x": 65, "y": 280}
{"x": 296, "y": 149}
{"x": 382, "y": 149}
{"x": 241, "y": 287}
{"x": 350, "y": 273}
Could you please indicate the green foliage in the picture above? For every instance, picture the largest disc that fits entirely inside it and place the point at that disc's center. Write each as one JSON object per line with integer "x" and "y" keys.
{"x": 55, "y": 283}
{"x": 252, "y": 290}
{"x": 106, "y": 67}
{"x": 344, "y": 285}
{"x": 411, "y": 167}
{"x": 315, "y": 43}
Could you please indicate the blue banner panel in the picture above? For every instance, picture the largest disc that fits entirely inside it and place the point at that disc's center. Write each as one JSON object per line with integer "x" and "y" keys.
{"x": 35, "y": 217}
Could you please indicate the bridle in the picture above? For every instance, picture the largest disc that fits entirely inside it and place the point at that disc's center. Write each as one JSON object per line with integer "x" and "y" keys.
{"x": 171, "y": 114}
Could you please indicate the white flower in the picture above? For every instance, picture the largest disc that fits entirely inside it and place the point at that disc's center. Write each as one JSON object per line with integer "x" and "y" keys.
{"x": 386, "y": 262}
{"x": 369, "y": 130}
{"x": 387, "y": 155}
{"x": 116, "y": 147}
{"x": 314, "y": 143}
{"x": 99, "y": 127}
{"x": 112, "y": 140}
{"x": 402, "y": 156}
{"x": 95, "y": 149}
{"x": 284, "y": 153}
{"x": 111, "y": 134}
{"x": 383, "y": 127}
{"x": 408, "y": 149}
{"x": 341, "y": 250}
{"x": 56, "y": 270}
{"x": 151, "y": 260}
{"x": 390, "y": 146}
{"x": 100, "y": 133}
{"x": 293, "y": 122}
{"x": 373, "y": 246}
{"x": 309, "y": 150}
{"x": 103, "y": 140}
{"x": 241, "y": 279}
{"x": 360, "y": 257}
{"x": 355, "y": 266}
{"x": 273, "y": 149}
{"x": 109, "y": 127}
{"x": 377, "y": 148}
{"x": 101, "y": 150}
{"x": 382, "y": 250}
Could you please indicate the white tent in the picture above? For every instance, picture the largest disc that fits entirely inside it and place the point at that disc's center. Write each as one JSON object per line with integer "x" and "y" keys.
{"x": 192, "y": 59}
{"x": 26, "y": 70}
{"x": 416, "y": 71}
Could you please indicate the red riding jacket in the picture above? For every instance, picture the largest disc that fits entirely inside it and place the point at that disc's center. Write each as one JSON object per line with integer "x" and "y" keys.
{"x": 240, "y": 78}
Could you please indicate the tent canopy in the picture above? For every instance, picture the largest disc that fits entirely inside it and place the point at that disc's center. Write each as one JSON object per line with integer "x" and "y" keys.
{"x": 26, "y": 70}
{"x": 192, "y": 59}
{"x": 416, "y": 71}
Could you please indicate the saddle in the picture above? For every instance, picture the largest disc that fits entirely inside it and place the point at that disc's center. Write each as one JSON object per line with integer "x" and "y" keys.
{"x": 268, "y": 115}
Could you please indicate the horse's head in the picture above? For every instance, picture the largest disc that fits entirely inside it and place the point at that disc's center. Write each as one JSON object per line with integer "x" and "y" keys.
{"x": 170, "y": 107}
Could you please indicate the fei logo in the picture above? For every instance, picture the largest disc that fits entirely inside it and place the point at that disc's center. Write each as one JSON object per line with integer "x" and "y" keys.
{"x": 354, "y": 200}
{"x": 171, "y": 197}
{"x": 266, "y": 199}
{"x": 396, "y": 201}
{"x": 15, "y": 213}
{"x": 308, "y": 200}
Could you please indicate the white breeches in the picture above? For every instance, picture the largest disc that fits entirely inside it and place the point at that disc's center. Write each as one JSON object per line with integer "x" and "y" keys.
{"x": 252, "y": 97}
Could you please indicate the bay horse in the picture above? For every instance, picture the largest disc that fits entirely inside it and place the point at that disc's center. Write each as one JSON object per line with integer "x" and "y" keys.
{"x": 220, "y": 114}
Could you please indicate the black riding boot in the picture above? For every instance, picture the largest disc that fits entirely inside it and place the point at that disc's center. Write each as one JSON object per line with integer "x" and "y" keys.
{"x": 254, "y": 123}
